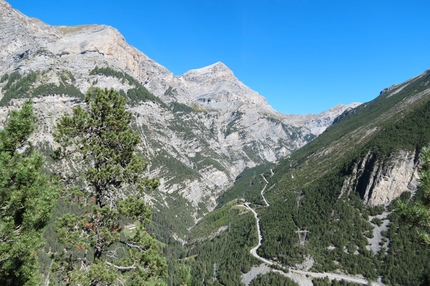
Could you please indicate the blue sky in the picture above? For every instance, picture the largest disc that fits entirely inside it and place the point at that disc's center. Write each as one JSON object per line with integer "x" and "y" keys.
{"x": 304, "y": 56}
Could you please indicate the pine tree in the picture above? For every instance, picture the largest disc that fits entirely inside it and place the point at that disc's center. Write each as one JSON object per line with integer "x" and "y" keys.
{"x": 26, "y": 200}
{"x": 100, "y": 250}
{"x": 417, "y": 212}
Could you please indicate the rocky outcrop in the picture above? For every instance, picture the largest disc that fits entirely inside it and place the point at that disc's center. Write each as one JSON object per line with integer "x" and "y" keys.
{"x": 215, "y": 87}
{"x": 211, "y": 128}
{"x": 317, "y": 123}
{"x": 28, "y": 44}
{"x": 380, "y": 181}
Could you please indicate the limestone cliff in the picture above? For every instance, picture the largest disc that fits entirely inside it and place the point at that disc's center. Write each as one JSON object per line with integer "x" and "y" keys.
{"x": 380, "y": 181}
{"x": 206, "y": 129}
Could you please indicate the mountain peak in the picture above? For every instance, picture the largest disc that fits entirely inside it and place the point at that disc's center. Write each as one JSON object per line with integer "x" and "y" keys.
{"x": 217, "y": 69}
{"x": 216, "y": 87}
{"x": 218, "y": 66}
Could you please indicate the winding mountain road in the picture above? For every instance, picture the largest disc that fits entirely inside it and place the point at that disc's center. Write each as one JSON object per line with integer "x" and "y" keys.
{"x": 292, "y": 273}
{"x": 262, "y": 191}
{"x": 260, "y": 237}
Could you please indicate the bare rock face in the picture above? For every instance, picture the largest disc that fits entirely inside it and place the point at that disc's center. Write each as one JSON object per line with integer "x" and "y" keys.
{"x": 215, "y": 87}
{"x": 380, "y": 182}
{"x": 21, "y": 35}
{"x": 317, "y": 123}
{"x": 207, "y": 129}
{"x": 76, "y": 48}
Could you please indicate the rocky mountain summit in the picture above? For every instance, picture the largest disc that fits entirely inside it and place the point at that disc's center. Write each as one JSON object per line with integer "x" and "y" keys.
{"x": 199, "y": 130}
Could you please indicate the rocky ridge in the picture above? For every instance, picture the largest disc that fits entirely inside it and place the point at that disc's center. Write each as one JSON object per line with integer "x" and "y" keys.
{"x": 208, "y": 128}
{"x": 317, "y": 123}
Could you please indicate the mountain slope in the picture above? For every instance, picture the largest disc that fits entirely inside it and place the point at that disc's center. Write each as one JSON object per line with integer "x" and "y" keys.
{"x": 337, "y": 190}
{"x": 199, "y": 130}
{"x": 204, "y": 130}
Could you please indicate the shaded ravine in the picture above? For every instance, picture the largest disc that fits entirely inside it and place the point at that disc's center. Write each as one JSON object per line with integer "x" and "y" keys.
{"x": 298, "y": 276}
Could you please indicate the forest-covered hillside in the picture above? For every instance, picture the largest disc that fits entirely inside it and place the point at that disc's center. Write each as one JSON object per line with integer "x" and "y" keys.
{"x": 312, "y": 192}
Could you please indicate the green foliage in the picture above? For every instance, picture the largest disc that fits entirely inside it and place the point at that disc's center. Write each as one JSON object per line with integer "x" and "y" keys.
{"x": 407, "y": 260}
{"x": 50, "y": 88}
{"x": 326, "y": 282}
{"x": 198, "y": 108}
{"x": 377, "y": 221}
{"x": 248, "y": 185}
{"x": 213, "y": 221}
{"x": 183, "y": 273}
{"x": 140, "y": 93}
{"x": 179, "y": 107}
{"x": 272, "y": 279}
{"x": 334, "y": 223}
{"x": 173, "y": 219}
{"x": 231, "y": 128}
{"x": 376, "y": 210}
{"x": 17, "y": 87}
{"x": 224, "y": 238}
{"x": 24, "y": 87}
{"x": 305, "y": 191}
{"x": 370, "y": 111}
{"x": 134, "y": 95}
{"x": 107, "y": 71}
{"x": 170, "y": 91}
{"x": 417, "y": 212}
{"x": 229, "y": 250}
{"x": 10, "y": 79}
{"x": 4, "y": 78}
{"x": 99, "y": 139}
{"x": 410, "y": 132}
{"x": 181, "y": 170}
{"x": 26, "y": 200}
{"x": 358, "y": 127}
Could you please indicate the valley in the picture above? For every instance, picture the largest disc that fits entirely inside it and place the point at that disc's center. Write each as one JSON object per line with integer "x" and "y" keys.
{"x": 246, "y": 194}
{"x": 345, "y": 232}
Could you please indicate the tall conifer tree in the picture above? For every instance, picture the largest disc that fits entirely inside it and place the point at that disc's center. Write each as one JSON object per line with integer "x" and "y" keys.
{"x": 99, "y": 142}
{"x": 26, "y": 200}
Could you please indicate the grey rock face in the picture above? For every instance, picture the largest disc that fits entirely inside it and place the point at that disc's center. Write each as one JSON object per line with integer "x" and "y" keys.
{"x": 380, "y": 182}
{"x": 317, "y": 123}
{"x": 197, "y": 151}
